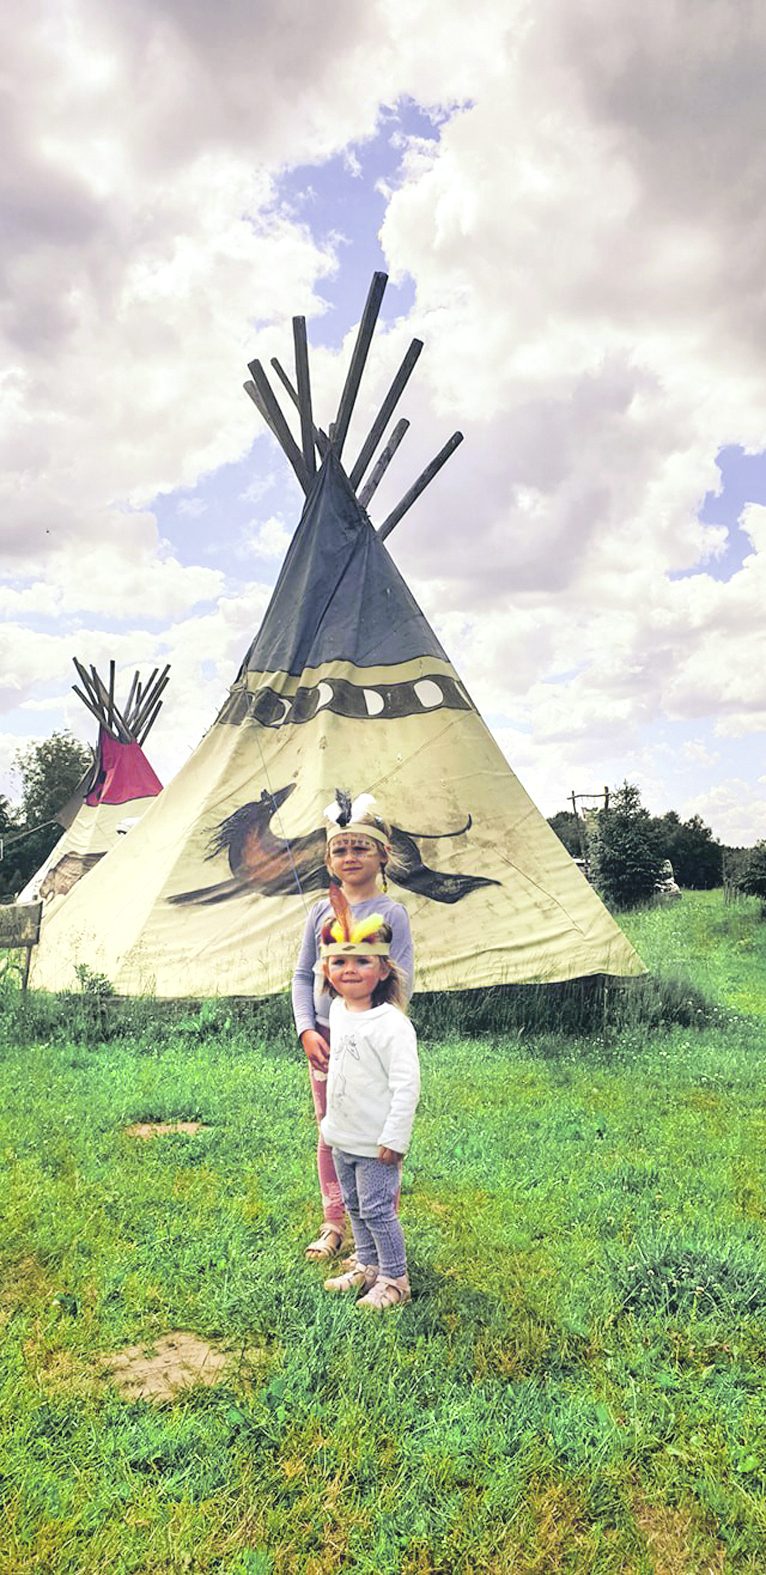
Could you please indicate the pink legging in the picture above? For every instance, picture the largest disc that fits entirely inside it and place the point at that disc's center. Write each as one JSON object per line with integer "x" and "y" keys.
{"x": 333, "y": 1207}
{"x": 332, "y": 1198}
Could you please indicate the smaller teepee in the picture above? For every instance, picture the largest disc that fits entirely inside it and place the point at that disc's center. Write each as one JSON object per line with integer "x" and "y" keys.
{"x": 113, "y": 793}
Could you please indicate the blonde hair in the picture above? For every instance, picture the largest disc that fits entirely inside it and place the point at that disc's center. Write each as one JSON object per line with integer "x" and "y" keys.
{"x": 389, "y": 991}
{"x": 388, "y": 861}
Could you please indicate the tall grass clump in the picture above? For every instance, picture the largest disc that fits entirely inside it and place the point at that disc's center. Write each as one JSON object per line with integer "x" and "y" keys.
{"x": 575, "y": 1007}
{"x": 582, "y": 1006}
{"x": 94, "y": 1016}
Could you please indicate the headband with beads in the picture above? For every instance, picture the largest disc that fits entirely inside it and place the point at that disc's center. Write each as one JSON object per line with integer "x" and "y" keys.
{"x": 345, "y": 817}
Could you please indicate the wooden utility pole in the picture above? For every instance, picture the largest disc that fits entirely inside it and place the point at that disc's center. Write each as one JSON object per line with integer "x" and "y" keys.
{"x": 580, "y": 819}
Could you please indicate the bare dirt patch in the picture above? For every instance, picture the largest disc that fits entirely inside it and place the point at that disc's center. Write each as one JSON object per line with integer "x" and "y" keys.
{"x": 152, "y": 1129}
{"x": 676, "y": 1541}
{"x": 161, "y": 1370}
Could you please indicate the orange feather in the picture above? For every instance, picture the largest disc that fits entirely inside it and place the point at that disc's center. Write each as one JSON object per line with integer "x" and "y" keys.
{"x": 341, "y": 909}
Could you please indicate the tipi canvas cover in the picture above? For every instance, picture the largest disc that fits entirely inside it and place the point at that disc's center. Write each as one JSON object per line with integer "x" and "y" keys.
{"x": 116, "y": 791}
{"x": 345, "y": 685}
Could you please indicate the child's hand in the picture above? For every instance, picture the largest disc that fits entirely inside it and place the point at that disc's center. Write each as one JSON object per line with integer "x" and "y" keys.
{"x": 389, "y": 1156}
{"x": 316, "y": 1049}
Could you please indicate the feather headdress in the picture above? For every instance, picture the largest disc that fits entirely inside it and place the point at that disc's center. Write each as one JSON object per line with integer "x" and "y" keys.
{"x": 344, "y": 814}
{"x": 345, "y": 936}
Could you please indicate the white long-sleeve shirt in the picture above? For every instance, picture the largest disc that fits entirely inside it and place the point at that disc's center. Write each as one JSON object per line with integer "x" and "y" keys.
{"x": 373, "y": 1082}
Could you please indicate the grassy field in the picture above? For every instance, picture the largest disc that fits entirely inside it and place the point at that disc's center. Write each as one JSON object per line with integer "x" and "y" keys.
{"x": 578, "y": 1384}
{"x": 721, "y": 948}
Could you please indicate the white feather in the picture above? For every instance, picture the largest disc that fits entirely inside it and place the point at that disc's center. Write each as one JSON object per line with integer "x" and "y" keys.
{"x": 361, "y": 805}
{"x": 332, "y": 812}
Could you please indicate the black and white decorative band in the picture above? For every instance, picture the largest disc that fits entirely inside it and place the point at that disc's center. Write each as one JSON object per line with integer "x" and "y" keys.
{"x": 435, "y": 692}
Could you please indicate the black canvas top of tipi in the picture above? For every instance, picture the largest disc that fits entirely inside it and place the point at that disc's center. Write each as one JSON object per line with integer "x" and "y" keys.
{"x": 339, "y": 596}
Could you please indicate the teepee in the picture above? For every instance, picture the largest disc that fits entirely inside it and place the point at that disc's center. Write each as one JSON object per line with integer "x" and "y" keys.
{"x": 113, "y": 793}
{"x": 345, "y": 685}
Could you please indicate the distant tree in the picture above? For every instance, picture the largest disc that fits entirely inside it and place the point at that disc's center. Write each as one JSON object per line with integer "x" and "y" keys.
{"x": 753, "y": 878}
{"x": 735, "y": 862}
{"x": 626, "y": 850}
{"x": 667, "y": 827}
{"x": 9, "y": 864}
{"x": 564, "y": 824}
{"x": 50, "y": 771}
{"x": 8, "y": 821}
{"x": 696, "y": 856}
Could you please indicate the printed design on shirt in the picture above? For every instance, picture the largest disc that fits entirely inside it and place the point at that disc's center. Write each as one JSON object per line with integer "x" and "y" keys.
{"x": 275, "y": 867}
{"x": 339, "y": 1094}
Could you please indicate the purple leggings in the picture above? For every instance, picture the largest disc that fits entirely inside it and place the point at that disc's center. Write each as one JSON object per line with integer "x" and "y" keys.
{"x": 371, "y": 1190}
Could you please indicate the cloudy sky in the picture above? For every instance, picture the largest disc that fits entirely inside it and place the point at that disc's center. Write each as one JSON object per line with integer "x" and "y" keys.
{"x": 570, "y": 200}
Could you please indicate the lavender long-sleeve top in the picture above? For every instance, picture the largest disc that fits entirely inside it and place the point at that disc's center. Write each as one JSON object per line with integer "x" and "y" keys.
{"x": 311, "y": 998}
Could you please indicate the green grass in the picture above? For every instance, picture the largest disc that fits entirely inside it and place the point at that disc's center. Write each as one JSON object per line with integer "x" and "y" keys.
{"x": 577, "y": 1385}
{"x": 720, "y": 948}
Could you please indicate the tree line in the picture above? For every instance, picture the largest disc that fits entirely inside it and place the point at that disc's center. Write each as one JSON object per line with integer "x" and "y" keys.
{"x": 49, "y": 772}
{"x": 625, "y": 849}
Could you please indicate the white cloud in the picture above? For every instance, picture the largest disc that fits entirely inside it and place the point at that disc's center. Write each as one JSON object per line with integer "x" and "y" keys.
{"x": 10, "y": 745}
{"x": 587, "y": 316}
{"x": 585, "y": 241}
{"x": 352, "y": 163}
{"x": 39, "y": 599}
{"x": 735, "y": 808}
{"x": 259, "y": 486}
{"x": 270, "y": 539}
{"x": 695, "y": 750}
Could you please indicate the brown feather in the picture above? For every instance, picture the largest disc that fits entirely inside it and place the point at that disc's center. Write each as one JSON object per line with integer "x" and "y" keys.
{"x": 341, "y": 909}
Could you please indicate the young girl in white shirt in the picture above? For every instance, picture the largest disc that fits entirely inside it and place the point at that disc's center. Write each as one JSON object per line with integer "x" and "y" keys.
{"x": 358, "y": 854}
{"x": 372, "y": 1093}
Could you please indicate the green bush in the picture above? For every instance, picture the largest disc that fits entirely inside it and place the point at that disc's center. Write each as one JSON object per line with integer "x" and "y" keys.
{"x": 753, "y": 879}
{"x": 696, "y": 856}
{"x": 626, "y": 854}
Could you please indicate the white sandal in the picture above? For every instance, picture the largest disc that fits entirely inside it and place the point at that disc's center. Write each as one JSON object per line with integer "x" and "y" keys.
{"x": 361, "y": 1277}
{"x": 387, "y": 1292}
{"x": 328, "y": 1243}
